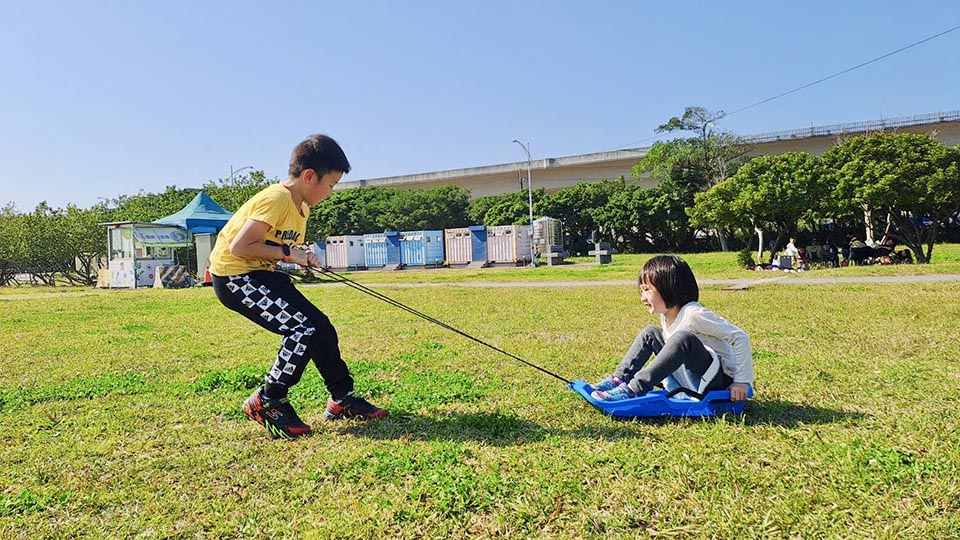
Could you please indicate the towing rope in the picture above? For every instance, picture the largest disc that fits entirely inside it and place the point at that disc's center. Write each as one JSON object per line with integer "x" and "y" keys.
{"x": 363, "y": 288}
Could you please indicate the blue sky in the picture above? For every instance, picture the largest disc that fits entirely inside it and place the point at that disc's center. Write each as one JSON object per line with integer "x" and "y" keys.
{"x": 101, "y": 99}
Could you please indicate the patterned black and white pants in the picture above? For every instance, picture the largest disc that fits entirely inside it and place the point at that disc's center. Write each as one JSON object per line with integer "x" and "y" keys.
{"x": 270, "y": 300}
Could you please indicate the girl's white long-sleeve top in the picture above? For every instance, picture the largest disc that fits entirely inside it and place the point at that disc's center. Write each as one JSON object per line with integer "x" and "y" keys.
{"x": 724, "y": 340}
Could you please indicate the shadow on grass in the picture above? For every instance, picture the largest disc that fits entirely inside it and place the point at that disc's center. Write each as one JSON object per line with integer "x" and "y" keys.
{"x": 788, "y": 415}
{"x": 495, "y": 429}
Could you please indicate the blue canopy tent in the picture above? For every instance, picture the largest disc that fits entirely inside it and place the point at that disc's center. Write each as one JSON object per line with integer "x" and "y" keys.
{"x": 199, "y": 216}
{"x": 202, "y": 218}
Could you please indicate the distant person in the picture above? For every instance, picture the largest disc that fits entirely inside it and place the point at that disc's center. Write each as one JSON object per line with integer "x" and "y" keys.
{"x": 830, "y": 253}
{"x": 856, "y": 243}
{"x": 264, "y": 231}
{"x": 793, "y": 252}
{"x": 693, "y": 347}
{"x": 791, "y": 249}
{"x": 886, "y": 247}
{"x": 859, "y": 251}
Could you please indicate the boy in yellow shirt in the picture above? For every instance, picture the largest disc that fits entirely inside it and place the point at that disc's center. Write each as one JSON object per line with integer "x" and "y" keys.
{"x": 267, "y": 229}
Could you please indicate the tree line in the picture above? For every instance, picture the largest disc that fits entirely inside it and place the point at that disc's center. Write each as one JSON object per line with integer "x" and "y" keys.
{"x": 708, "y": 195}
{"x": 900, "y": 185}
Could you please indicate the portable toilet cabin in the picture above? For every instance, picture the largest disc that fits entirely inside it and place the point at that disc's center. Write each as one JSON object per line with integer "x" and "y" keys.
{"x": 508, "y": 244}
{"x": 458, "y": 246}
{"x": 421, "y": 248}
{"x": 320, "y": 250}
{"x": 466, "y": 246}
{"x": 478, "y": 245}
{"x": 382, "y": 250}
{"x": 345, "y": 252}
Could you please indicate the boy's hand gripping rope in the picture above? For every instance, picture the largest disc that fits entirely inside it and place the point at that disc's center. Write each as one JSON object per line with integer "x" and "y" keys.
{"x": 363, "y": 288}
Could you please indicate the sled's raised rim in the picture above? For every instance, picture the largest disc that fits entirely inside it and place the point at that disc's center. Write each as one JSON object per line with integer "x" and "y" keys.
{"x": 656, "y": 403}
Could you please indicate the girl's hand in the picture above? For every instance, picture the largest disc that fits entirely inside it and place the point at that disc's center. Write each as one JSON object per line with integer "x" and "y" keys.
{"x": 738, "y": 391}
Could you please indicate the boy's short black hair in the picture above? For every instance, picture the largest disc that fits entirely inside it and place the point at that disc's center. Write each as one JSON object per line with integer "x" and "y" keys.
{"x": 673, "y": 279}
{"x": 320, "y": 153}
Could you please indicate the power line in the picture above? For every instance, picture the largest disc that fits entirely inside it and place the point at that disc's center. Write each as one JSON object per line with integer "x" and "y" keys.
{"x": 837, "y": 74}
{"x": 808, "y": 85}
{"x": 650, "y": 138}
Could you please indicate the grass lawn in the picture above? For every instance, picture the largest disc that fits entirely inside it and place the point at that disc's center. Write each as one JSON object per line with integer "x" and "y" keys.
{"x": 122, "y": 415}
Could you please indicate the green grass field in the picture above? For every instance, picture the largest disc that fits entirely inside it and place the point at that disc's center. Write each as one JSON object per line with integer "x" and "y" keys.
{"x": 122, "y": 415}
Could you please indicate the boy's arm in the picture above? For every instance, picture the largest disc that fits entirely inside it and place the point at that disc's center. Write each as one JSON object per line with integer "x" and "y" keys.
{"x": 249, "y": 242}
{"x": 249, "y": 245}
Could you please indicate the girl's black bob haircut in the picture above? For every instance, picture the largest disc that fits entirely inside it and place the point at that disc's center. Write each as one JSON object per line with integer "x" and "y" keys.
{"x": 673, "y": 279}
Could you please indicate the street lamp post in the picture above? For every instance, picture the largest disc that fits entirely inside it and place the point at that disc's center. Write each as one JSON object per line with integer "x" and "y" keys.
{"x": 526, "y": 150}
{"x": 233, "y": 172}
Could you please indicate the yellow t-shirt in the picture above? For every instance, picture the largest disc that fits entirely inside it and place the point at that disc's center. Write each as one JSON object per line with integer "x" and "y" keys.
{"x": 274, "y": 206}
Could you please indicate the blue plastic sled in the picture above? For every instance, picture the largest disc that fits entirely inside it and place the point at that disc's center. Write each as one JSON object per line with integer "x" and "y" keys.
{"x": 656, "y": 403}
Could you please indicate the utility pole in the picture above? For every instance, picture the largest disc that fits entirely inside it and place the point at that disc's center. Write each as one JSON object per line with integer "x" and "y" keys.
{"x": 233, "y": 172}
{"x": 526, "y": 150}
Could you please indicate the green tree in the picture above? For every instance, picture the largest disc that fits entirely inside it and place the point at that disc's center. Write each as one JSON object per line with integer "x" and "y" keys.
{"x": 628, "y": 216}
{"x": 347, "y": 211}
{"x": 767, "y": 193}
{"x": 85, "y": 242}
{"x": 52, "y": 244}
{"x": 507, "y": 208}
{"x": 232, "y": 195}
{"x": 911, "y": 178}
{"x": 686, "y": 166}
{"x": 46, "y": 243}
{"x": 578, "y": 208}
{"x": 478, "y": 208}
{"x": 369, "y": 210}
{"x": 147, "y": 207}
{"x": 13, "y": 243}
{"x": 436, "y": 208}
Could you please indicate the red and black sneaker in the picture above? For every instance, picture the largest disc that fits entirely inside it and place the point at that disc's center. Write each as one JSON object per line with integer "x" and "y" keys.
{"x": 352, "y": 406}
{"x": 277, "y": 415}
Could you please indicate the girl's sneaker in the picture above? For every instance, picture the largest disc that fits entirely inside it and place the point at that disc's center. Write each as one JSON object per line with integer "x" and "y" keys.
{"x": 609, "y": 383}
{"x": 618, "y": 393}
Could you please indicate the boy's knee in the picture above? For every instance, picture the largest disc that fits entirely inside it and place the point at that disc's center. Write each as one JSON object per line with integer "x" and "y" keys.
{"x": 324, "y": 324}
{"x": 320, "y": 325}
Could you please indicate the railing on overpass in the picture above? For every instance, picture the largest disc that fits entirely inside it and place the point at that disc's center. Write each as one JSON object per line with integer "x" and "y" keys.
{"x": 855, "y": 127}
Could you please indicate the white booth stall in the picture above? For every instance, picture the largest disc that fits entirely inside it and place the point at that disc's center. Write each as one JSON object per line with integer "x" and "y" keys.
{"x": 135, "y": 250}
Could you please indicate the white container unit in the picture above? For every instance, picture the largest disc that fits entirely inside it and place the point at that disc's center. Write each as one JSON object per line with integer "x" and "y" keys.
{"x": 458, "y": 245}
{"x": 345, "y": 251}
{"x": 508, "y": 244}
